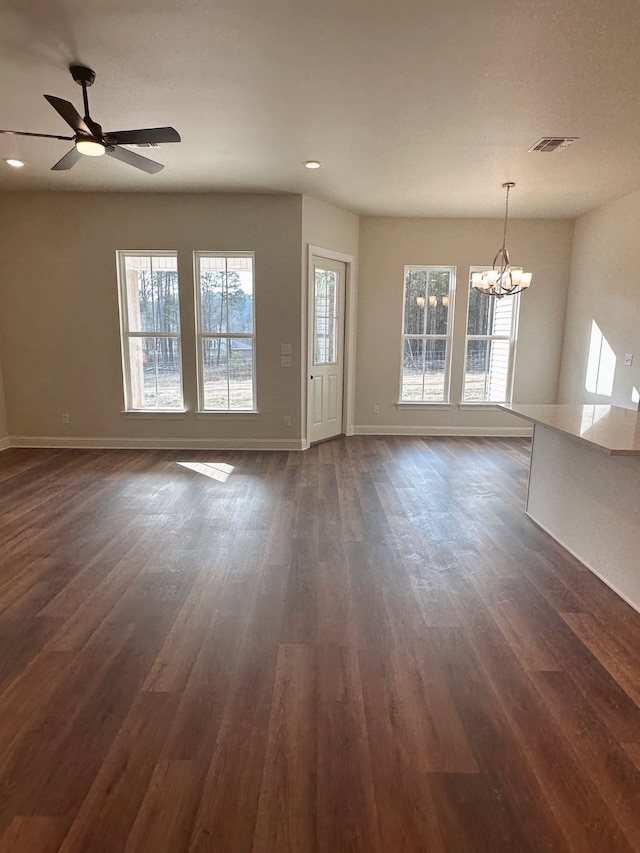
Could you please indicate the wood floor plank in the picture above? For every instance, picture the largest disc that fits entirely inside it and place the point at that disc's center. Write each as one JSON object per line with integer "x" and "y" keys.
{"x": 166, "y": 814}
{"x": 287, "y": 814}
{"x": 517, "y": 801}
{"x": 407, "y": 818}
{"x": 112, "y": 804}
{"x": 363, "y": 648}
{"x": 618, "y": 777}
{"x": 345, "y": 799}
{"x": 40, "y": 834}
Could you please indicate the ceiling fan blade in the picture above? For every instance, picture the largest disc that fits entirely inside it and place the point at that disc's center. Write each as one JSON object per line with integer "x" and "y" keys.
{"x": 42, "y": 135}
{"x": 146, "y": 135}
{"x": 69, "y": 160}
{"x": 70, "y": 114}
{"x": 136, "y": 160}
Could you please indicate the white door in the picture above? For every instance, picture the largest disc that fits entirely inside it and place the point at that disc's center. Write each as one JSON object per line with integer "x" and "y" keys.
{"x": 326, "y": 336}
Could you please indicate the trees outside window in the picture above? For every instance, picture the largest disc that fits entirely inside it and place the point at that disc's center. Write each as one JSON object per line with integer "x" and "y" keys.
{"x": 490, "y": 347}
{"x": 427, "y": 328}
{"x": 225, "y": 328}
{"x": 150, "y": 330}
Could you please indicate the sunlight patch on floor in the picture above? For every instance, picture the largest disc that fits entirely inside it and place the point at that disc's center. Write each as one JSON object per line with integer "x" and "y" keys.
{"x": 216, "y": 470}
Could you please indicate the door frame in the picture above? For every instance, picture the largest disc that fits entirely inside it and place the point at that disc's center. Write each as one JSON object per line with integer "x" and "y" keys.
{"x": 348, "y": 400}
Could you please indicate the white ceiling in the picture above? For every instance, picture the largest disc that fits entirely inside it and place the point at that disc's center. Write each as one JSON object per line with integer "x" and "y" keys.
{"x": 414, "y": 107}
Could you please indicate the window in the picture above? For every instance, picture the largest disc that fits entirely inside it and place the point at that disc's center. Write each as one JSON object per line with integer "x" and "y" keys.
{"x": 426, "y": 339}
{"x": 325, "y": 333}
{"x": 225, "y": 331}
{"x": 491, "y": 334}
{"x": 150, "y": 330}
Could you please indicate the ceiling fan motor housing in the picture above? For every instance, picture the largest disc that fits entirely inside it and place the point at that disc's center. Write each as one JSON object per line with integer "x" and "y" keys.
{"x": 81, "y": 74}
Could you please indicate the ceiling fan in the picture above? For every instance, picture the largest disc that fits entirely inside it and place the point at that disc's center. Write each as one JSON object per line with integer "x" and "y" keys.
{"x": 89, "y": 138}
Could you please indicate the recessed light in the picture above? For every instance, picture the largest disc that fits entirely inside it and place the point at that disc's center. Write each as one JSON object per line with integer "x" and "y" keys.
{"x": 312, "y": 164}
{"x": 15, "y": 164}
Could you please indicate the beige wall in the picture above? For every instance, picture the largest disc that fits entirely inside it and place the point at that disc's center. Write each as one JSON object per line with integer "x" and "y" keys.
{"x": 387, "y": 244}
{"x": 329, "y": 227}
{"x": 59, "y": 332}
{"x": 604, "y": 288}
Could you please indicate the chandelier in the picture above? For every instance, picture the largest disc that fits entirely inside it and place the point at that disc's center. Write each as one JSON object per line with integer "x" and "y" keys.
{"x": 502, "y": 279}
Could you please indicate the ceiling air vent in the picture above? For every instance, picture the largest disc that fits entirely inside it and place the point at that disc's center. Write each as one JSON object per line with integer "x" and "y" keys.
{"x": 553, "y": 143}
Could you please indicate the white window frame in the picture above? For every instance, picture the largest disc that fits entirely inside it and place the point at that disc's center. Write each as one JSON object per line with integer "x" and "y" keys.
{"x": 512, "y": 338}
{"x": 126, "y": 335}
{"x": 202, "y": 336}
{"x": 446, "y": 391}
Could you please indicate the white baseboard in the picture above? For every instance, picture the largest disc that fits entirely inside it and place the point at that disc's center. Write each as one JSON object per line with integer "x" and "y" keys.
{"x": 156, "y": 443}
{"x": 107, "y": 443}
{"x": 486, "y": 432}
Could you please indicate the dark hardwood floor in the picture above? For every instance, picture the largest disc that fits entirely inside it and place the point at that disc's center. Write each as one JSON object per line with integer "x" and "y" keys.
{"x": 363, "y": 647}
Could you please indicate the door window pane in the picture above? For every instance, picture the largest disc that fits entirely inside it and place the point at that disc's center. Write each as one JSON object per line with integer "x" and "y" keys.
{"x": 325, "y": 347}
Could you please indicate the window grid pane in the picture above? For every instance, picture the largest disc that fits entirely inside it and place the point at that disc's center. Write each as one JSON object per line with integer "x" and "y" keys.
{"x": 325, "y": 349}
{"x": 150, "y": 328}
{"x": 228, "y": 370}
{"x": 424, "y": 369}
{"x": 490, "y": 342}
{"x": 226, "y": 354}
{"x": 428, "y": 295}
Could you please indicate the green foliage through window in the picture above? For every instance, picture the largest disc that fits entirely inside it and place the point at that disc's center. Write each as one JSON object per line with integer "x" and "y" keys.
{"x": 428, "y": 302}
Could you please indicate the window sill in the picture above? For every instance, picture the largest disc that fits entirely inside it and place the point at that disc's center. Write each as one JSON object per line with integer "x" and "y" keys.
{"x": 489, "y": 407}
{"x": 164, "y": 414}
{"x": 223, "y": 413}
{"x": 423, "y": 405}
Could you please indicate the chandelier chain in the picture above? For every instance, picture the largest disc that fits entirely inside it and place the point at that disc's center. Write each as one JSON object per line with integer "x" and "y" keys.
{"x": 506, "y": 216}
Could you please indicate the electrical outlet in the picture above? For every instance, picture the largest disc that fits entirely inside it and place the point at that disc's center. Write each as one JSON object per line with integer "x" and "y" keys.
{"x": 376, "y": 409}
{"x": 287, "y": 420}
{"x": 628, "y": 360}
{"x": 65, "y": 419}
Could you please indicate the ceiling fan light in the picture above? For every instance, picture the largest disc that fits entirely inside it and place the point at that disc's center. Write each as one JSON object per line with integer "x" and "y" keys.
{"x": 90, "y": 147}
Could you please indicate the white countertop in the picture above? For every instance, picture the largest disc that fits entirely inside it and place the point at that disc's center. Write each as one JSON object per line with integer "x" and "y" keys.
{"x": 611, "y": 429}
